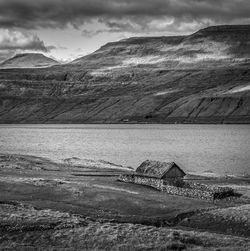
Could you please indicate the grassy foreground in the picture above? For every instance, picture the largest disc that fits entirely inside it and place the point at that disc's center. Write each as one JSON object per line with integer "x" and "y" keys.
{"x": 71, "y": 206}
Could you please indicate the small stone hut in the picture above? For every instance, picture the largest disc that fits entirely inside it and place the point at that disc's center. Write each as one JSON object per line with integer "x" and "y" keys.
{"x": 155, "y": 174}
{"x": 161, "y": 170}
{"x": 168, "y": 177}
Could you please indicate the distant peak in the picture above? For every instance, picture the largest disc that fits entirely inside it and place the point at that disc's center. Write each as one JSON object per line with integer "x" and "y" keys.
{"x": 28, "y": 60}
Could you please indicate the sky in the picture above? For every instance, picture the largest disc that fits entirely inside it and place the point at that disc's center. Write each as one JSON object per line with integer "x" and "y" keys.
{"x": 68, "y": 29}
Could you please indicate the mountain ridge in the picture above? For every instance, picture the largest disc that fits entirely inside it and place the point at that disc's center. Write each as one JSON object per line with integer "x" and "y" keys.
{"x": 200, "y": 78}
{"x": 220, "y": 38}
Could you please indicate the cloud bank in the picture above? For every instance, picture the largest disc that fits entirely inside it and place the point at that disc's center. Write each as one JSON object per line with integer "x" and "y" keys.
{"x": 121, "y": 15}
{"x": 14, "y": 41}
{"x": 21, "y": 19}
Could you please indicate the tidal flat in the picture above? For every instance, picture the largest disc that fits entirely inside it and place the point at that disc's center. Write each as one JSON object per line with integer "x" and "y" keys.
{"x": 80, "y": 205}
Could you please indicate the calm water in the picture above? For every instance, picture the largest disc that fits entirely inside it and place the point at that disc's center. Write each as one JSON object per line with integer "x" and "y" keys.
{"x": 221, "y": 149}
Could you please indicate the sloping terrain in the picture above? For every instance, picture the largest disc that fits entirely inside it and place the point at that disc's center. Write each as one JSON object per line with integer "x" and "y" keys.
{"x": 209, "y": 47}
{"x": 201, "y": 78}
{"x": 27, "y": 228}
{"x": 45, "y": 205}
{"x": 28, "y": 60}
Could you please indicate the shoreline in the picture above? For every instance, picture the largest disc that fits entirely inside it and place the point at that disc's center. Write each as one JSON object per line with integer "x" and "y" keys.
{"x": 200, "y": 175}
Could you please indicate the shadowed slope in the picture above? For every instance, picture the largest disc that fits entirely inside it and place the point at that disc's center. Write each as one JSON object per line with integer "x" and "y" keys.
{"x": 201, "y": 78}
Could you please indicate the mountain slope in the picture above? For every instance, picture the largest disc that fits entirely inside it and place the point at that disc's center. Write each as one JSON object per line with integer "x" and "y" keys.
{"x": 201, "y": 78}
{"x": 28, "y": 60}
{"x": 209, "y": 46}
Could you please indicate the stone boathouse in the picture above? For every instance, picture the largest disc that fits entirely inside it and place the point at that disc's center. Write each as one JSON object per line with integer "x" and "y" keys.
{"x": 155, "y": 174}
{"x": 168, "y": 177}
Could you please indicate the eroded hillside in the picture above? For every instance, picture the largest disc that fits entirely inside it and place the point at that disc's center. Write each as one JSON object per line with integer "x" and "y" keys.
{"x": 201, "y": 78}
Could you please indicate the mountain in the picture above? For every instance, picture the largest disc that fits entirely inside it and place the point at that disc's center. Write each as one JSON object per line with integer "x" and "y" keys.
{"x": 211, "y": 46}
{"x": 28, "y": 60}
{"x": 200, "y": 78}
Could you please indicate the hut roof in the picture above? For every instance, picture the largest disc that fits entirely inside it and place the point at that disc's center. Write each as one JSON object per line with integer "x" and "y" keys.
{"x": 156, "y": 168}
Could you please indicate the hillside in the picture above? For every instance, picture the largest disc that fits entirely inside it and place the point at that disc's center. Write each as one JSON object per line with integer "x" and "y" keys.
{"x": 200, "y": 78}
{"x": 209, "y": 46}
{"x": 28, "y": 60}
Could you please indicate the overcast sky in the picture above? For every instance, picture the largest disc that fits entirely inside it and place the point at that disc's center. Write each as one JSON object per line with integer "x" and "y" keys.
{"x": 67, "y": 29}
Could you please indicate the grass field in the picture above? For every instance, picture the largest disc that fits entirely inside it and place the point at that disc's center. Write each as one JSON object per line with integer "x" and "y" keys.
{"x": 62, "y": 205}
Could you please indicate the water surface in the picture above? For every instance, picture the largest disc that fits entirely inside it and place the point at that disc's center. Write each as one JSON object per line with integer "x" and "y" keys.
{"x": 220, "y": 149}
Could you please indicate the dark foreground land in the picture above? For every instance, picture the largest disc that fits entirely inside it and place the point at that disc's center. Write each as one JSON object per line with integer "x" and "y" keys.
{"x": 79, "y": 205}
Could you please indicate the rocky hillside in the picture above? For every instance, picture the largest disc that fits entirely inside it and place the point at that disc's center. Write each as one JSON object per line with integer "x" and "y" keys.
{"x": 200, "y": 78}
{"x": 28, "y": 60}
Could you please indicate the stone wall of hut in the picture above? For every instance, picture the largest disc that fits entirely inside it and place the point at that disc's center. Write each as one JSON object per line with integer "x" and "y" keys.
{"x": 218, "y": 192}
{"x": 149, "y": 181}
{"x": 207, "y": 187}
{"x": 142, "y": 180}
{"x": 188, "y": 192}
{"x": 192, "y": 190}
{"x": 127, "y": 178}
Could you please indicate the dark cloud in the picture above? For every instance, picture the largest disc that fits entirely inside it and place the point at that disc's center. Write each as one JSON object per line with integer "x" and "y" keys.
{"x": 137, "y": 14}
{"x": 15, "y": 40}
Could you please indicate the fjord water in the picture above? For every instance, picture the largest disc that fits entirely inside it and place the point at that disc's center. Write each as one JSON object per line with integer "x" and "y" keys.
{"x": 211, "y": 149}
